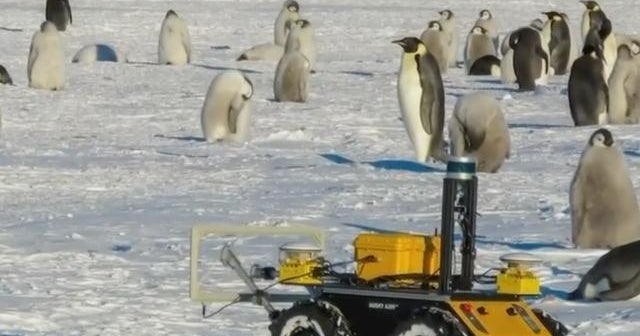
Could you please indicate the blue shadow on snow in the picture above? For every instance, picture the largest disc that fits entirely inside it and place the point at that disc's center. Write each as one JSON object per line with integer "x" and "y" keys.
{"x": 387, "y": 164}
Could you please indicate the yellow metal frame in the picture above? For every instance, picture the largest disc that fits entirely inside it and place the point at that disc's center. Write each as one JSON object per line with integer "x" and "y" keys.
{"x": 200, "y": 231}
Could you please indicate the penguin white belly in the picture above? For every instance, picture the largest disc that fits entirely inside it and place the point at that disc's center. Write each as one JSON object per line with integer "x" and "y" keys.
{"x": 48, "y": 68}
{"x": 610, "y": 55}
{"x": 215, "y": 115}
{"x": 172, "y": 50}
{"x": 409, "y": 96}
{"x": 586, "y": 24}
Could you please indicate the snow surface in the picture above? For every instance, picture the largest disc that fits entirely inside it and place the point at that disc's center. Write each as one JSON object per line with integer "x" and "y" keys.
{"x": 101, "y": 183}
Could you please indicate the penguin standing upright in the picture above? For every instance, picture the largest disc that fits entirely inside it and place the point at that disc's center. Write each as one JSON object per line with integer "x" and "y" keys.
{"x": 594, "y": 18}
{"x": 59, "y": 12}
{"x": 227, "y": 106}
{"x": 291, "y": 82}
{"x": 436, "y": 41}
{"x": 624, "y": 86}
{"x": 604, "y": 207}
{"x": 45, "y": 67}
{"x": 479, "y": 44}
{"x": 449, "y": 26}
{"x": 487, "y": 21}
{"x": 174, "y": 47}
{"x": 556, "y": 31}
{"x": 421, "y": 99}
{"x": 530, "y": 60}
{"x": 290, "y": 12}
{"x": 478, "y": 128}
{"x": 588, "y": 91}
{"x": 301, "y": 34}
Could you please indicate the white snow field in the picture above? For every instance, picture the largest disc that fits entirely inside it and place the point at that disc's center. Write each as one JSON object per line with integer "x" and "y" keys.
{"x": 101, "y": 183}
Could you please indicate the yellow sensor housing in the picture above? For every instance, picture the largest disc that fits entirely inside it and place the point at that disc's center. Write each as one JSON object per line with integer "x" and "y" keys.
{"x": 517, "y": 279}
{"x": 297, "y": 263}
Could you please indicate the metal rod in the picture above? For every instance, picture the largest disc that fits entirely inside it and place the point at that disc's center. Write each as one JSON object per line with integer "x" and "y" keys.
{"x": 468, "y": 226}
{"x": 446, "y": 230}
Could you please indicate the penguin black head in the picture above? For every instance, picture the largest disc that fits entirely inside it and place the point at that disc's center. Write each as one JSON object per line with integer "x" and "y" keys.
{"x": 446, "y": 14}
{"x": 435, "y": 25}
{"x": 601, "y": 138}
{"x": 248, "y": 96}
{"x": 478, "y": 30}
{"x": 409, "y": 44}
{"x": 485, "y": 14}
{"x": 553, "y": 15}
{"x": 292, "y": 6}
{"x": 170, "y": 13}
{"x": 593, "y": 44}
{"x": 591, "y": 5}
{"x": 303, "y": 23}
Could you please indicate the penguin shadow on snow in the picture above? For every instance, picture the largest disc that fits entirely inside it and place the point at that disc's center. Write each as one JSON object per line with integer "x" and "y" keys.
{"x": 385, "y": 164}
{"x": 181, "y": 138}
{"x": 537, "y": 126}
{"x": 13, "y": 30}
{"x": 222, "y": 68}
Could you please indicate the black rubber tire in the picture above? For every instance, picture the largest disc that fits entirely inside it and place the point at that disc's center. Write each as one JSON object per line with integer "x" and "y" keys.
{"x": 555, "y": 327}
{"x": 424, "y": 324}
{"x": 306, "y": 319}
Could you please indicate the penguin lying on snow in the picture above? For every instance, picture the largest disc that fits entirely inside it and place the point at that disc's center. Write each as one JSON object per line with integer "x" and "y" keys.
{"x": 615, "y": 276}
{"x": 421, "y": 99}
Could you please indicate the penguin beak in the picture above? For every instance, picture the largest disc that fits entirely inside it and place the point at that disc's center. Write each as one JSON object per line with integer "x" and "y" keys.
{"x": 400, "y": 43}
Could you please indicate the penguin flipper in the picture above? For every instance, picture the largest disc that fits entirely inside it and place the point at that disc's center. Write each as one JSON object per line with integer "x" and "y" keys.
{"x": 427, "y": 99}
{"x": 542, "y": 54}
{"x": 234, "y": 113}
{"x": 69, "y": 11}
{"x": 623, "y": 291}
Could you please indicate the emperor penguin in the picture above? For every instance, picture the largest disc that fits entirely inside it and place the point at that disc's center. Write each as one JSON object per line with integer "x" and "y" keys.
{"x": 45, "y": 67}
{"x": 421, "y": 99}
{"x": 594, "y": 18}
{"x": 5, "y": 78}
{"x": 486, "y": 21}
{"x": 301, "y": 37}
{"x": 479, "y": 44}
{"x": 615, "y": 276}
{"x": 437, "y": 42}
{"x": 59, "y": 12}
{"x": 291, "y": 82}
{"x": 99, "y": 52}
{"x": 227, "y": 107}
{"x": 587, "y": 89}
{"x": 486, "y": 65}
{"x": 450, "y": 27}
{"x": 477, "y": 128}
{"x": 265, "y": 51}
{"x": 530, "y": 59}
{"x": 174, "y": 47}
{"x": 624, "y": 86}
{"x": 290, "y": 12}
{"x": 556, "y": 32}
{"x": 604, "y": 208}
